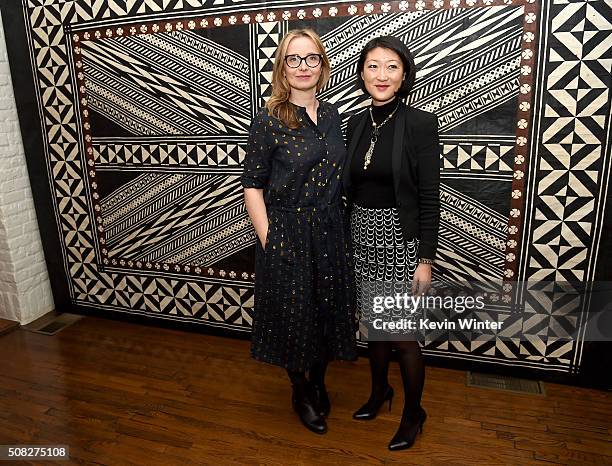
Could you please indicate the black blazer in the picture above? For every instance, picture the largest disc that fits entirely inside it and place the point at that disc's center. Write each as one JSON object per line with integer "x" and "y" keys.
{"x": 416, "y": 172}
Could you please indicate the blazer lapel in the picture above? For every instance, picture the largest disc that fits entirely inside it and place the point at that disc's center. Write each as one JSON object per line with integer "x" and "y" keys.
{"x": 398, "y": 144}
{"x": 363, "y": 118}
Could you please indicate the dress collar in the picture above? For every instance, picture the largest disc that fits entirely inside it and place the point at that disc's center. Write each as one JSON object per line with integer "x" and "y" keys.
{"x": 303, "y": 109}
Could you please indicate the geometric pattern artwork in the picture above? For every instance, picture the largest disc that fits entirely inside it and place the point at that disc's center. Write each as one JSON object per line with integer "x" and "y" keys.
{"x": 145, "y": 108}
{"x": 490, "y": 157}
{"x": 196, "y": 154}
{"x": 565, "y": 212}
{"x": 265, "y": 36}
{"x": 211, "y": 303}
{"x": 175, "y": 218}
{"x": 468, "y": 225}
{"x": 177, "y": 83}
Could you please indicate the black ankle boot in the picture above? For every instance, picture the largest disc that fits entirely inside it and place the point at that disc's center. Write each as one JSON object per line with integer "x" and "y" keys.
{"x": 305, "y": 409}
{"x": 320, "y": 398}
{"x": 408, "y": 430}
{"x": 369, "y": 410}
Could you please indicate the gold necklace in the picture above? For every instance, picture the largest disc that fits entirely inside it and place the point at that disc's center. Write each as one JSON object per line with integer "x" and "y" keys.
{"x": 375, "y": 133}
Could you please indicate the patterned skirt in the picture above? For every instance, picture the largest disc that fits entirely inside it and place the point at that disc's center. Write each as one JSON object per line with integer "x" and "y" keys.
{"x": 384, "y": 261}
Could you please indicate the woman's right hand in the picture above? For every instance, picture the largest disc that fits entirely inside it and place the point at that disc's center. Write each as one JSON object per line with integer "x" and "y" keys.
{"x": 263, "y": 239}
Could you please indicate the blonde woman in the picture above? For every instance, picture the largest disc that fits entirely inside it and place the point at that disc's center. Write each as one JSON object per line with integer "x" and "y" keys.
{"x": 304, "y": 294}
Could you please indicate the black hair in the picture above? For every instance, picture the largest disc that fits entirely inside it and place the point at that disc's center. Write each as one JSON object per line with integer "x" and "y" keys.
{"x": 395, "y": 44}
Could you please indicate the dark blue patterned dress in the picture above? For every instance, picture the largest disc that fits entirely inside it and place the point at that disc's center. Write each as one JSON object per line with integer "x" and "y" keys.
{"x": 304, "y": 290}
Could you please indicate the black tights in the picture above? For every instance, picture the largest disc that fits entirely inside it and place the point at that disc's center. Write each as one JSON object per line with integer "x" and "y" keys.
{"x": 411, "y": 366}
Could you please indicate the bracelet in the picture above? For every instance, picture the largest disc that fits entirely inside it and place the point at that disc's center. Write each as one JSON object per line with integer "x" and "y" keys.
{"x": 424, "y": 260}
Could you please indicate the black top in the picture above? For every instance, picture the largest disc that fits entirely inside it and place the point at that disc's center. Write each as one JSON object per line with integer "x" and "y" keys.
{"x": 415, "y": 162}
{"x": 373, "y": 188}
{"x": 296, "y": 167}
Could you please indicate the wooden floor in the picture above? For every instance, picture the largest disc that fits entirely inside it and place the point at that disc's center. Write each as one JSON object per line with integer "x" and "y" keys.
{"x": 7, "y": 326}
{"x": 119, "y": 393}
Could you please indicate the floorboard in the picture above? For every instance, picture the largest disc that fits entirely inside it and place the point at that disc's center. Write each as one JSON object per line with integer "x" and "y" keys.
{"x": 121, "y": 393}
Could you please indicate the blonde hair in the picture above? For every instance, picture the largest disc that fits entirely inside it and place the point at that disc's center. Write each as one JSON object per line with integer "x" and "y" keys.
{"x": 278, "y": 104}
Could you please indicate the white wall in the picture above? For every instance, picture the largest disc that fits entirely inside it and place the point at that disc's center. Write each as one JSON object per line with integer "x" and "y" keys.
{"x": 25, "y": 292}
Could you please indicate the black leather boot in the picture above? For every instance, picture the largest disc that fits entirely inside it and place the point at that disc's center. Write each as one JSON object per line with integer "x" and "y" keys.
{"x": 305, "y": 409}
{"x": 320, "y": 399}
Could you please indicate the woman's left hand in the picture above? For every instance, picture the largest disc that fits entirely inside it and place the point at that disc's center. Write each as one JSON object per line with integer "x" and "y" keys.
{"x": 421, "y": 279}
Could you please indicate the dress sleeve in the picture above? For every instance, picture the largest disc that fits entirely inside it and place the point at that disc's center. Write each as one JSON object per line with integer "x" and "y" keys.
{"x": 257, "y": 159}
{"x": 428, "y": 152}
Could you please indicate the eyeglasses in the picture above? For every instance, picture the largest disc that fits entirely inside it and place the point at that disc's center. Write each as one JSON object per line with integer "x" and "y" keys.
{"x": 312, "y": 60}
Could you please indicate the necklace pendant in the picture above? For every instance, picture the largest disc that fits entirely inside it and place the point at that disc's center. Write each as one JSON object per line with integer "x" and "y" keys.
{"x": 368, "y": 156}
{"x": 375, "y": 132}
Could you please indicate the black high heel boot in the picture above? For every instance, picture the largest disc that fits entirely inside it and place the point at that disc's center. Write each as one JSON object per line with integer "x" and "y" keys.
{"x": 301, "y": 401}
{"x": 320, "y": 399}
{"x": 305, "y": 409}
{"x": 369, "y": 410}
{"x": 407, "y": 432}
{"x": 317, "y": 389}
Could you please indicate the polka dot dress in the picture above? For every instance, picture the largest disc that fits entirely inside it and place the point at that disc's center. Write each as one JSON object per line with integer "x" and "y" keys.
{"x": 304, "y": 288}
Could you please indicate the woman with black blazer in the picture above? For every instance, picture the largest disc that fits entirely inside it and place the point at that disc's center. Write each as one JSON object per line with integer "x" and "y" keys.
{"x": 392, "y": 185}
